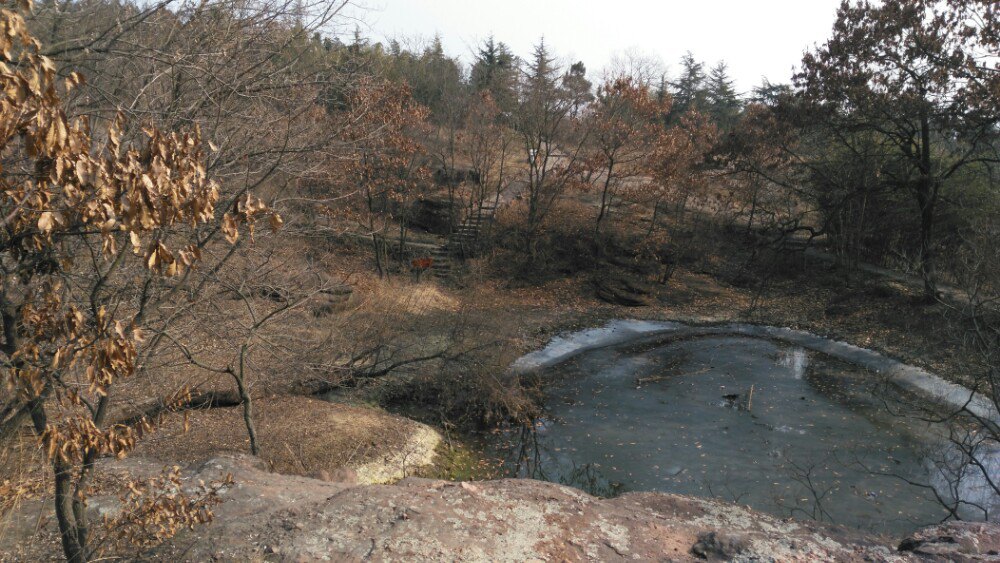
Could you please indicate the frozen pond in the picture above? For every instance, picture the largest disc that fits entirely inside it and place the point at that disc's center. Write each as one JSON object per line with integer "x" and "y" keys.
{"x": 767, "y": 424}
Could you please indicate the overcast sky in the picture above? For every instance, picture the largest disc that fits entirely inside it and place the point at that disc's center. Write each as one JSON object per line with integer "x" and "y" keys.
{"x": 756, "y": 37}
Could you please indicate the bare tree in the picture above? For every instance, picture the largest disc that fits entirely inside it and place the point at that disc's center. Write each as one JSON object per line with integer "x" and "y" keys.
{"x": 544, "y": 121}
{"x": 625, "y": 129}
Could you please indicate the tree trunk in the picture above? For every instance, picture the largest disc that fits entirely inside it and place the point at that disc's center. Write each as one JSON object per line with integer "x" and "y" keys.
{"x": 79, "y": 502}
{"x": 377, "y": 250}
{"x": 402, "y": 241}
{"x": 927, "y": 199}
{"x": 533, "y": 193}
{"x": 64, "y": 514}
{"x": 247, "y": 402}
{"x": 926, "y": 244}
{"x": 605, "y": 199}
{"x": 753, "y": 207}
{"x": 68, "y": 532}
{"x": 652, "y": 221}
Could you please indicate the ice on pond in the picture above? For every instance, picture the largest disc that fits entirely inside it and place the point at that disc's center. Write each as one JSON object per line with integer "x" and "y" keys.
{"x": 561, "y": 348}
{"x": 759, "y": 422}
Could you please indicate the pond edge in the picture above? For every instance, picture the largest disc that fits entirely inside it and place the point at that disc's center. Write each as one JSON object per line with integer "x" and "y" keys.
{"x": 617, "y": 333}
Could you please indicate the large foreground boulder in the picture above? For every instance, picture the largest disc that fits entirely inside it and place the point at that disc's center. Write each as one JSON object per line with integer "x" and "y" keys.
{"x": 268, "y": 516}
{"x": 283, "y": 518}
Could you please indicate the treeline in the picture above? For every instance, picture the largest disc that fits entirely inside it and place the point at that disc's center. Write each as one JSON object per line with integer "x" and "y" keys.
{"x": 446, "y": 86}
{"x": 632, "y": 136}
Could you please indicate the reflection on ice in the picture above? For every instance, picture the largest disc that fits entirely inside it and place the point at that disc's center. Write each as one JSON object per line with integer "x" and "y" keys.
{"x": 797, "y": 359}
{"x": 564, "y": 347}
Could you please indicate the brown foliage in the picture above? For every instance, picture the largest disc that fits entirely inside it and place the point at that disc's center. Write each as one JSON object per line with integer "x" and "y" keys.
{"x": 65, "y": 196}
{"x": 626, "y": 128}
{"x": 156, "y": 509}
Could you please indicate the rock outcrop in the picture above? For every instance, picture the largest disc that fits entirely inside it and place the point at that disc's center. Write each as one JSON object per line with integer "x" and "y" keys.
{"x": 436, "y": 216}
{"x": 268, "y": 516}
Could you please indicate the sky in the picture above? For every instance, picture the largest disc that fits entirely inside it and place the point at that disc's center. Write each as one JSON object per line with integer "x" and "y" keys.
{"x": 757, "y": 38}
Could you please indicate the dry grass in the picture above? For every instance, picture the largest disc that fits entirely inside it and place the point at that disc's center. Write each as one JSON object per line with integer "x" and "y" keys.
{"x": 405, "y": 299}
{"x": 298, "y": 435}
{"x": 22, "y": 477}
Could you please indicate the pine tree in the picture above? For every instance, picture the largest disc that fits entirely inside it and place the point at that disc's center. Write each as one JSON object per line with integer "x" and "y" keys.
{"x": 358, "y": 42}
{"x": 436, "y": 49}
{"x": 663, "y": 89}
{"x": 437, "y": 83}
{"x": 577, "y": 86}
{"x": 689, "y": 88}
{"x": 769, "y": 94}
{"x": 540, "y": 91}
{"x": 723, "y": 103}
{"x": 542, "y": 74}
{"x": 495, "y": 71}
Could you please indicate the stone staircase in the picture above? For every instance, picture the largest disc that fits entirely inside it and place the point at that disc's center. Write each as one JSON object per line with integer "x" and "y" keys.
{"x": 442, "y": 266}
{"x": 462, "y": 243}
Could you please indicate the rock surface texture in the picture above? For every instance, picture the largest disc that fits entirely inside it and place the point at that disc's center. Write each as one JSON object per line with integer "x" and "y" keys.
{"x": 272, "y": 517}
